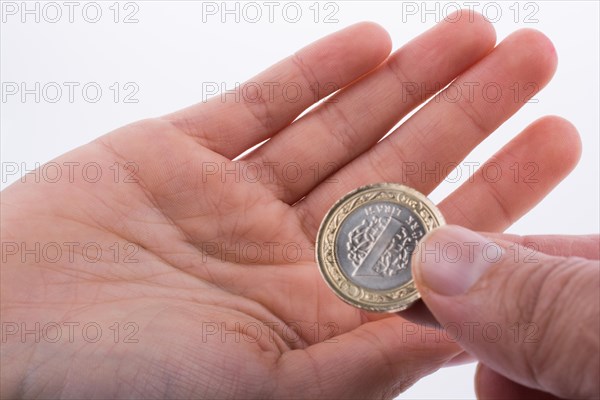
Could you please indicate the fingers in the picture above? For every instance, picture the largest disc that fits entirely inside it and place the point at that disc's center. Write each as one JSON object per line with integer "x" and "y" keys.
{"x": 586, "y": 246}
{"x": 444, "y": 131}
{"x": 516, "y": 178}
{"x": 491, "y": 385}
{"x": 356, "y": 118}
{"x": 533, "y": 320}
{"x": 230, "y": 124}
{"x": 376, "y": 360}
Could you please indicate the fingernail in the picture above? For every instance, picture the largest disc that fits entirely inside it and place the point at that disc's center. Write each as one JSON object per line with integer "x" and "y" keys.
{"x": 451, "y": 259}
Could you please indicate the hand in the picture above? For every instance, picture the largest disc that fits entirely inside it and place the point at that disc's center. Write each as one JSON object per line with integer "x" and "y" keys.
{"x": 531, "y": 318}
{"x": 202, "y": 237}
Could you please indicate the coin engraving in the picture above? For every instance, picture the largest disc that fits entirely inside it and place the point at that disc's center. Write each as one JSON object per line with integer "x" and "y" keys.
{"x": 366, "y": 241}
{"x": 375, "y": 243}
{"x": 365, "y": 249}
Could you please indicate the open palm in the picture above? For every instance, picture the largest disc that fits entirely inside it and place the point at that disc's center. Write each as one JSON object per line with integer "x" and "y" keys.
{"x": 199, "y": 270}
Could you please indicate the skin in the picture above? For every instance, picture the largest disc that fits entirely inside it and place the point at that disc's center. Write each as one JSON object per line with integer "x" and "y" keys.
{"x": 178, "y": 292}
{"x": 539, "y": 297}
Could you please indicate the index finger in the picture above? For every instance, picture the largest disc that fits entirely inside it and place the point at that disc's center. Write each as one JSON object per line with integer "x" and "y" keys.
{"x": 586, "y": 246}
{"x": 233, "y": 122}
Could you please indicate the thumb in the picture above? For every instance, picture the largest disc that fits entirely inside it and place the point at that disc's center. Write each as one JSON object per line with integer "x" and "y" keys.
{"x": 531, "y": 317}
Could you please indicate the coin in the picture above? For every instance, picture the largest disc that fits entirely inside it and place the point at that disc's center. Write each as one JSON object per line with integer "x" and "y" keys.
{"x": 365, "y": 242}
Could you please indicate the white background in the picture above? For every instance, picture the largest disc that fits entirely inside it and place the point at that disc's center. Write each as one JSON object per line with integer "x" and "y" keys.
{"x": 171, "y": 51}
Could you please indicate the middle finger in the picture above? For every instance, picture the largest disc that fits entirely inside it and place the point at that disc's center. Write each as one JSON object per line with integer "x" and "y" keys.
{"x": 352, "y": 121}
{"x": 422, "y": 151}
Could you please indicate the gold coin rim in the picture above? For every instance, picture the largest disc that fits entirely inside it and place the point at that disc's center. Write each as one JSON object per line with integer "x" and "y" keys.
{"x": 407, "y": 293}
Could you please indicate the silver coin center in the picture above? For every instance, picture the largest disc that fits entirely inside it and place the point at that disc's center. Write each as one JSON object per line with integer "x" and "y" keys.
{"x": 375, "y": 243}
